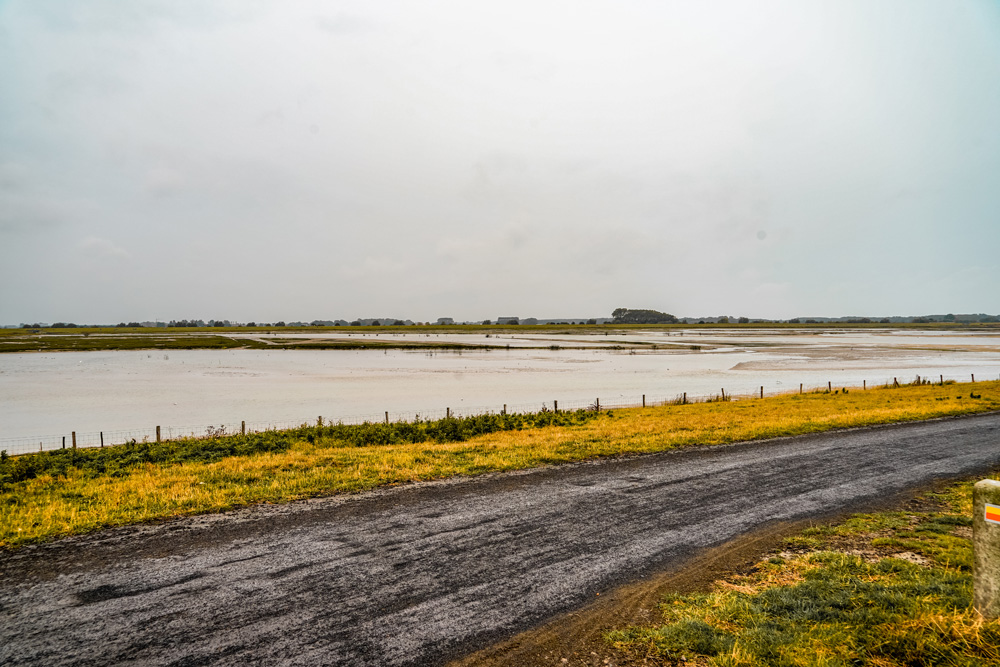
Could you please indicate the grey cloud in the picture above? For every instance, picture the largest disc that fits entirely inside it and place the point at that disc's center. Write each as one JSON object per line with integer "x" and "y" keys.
{"x": 466, "y": 157}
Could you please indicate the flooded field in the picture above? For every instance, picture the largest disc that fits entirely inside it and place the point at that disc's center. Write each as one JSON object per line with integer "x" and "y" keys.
{"x": 45, "y": 396}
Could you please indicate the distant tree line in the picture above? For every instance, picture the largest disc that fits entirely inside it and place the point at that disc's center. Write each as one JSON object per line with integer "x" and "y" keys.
{"x": 640, "y": 316}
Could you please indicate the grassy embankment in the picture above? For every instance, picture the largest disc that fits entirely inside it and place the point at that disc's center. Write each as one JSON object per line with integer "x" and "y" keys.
{"x": 58, "y": 493}
{"x": 883, "y": 590}
{"x": 70, "y": 340}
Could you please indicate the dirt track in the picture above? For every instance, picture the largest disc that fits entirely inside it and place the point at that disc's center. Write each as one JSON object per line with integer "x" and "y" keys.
{"x": 427, "y": 573}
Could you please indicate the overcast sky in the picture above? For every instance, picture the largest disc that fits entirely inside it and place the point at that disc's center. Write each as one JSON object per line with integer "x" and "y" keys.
{"x": 264, "y": 160}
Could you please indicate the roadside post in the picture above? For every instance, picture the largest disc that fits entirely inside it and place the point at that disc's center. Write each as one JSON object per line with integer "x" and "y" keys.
{"x": 986, "y": 548}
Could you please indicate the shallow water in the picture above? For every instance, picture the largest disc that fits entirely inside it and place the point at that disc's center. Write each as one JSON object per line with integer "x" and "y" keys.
{"x": 44, "y": 396}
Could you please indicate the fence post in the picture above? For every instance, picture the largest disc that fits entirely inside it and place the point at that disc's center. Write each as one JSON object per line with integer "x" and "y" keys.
{"x": 643, "y": 400}
{"x": 555, "y": 406}
{"x": 597, "y": 403}
{"x": 986, "y": 547}
{"x": 102, "y": 438}
{"x": 447, "y": 413}
{"x": 157, "y": 433}
{"x": 74, "y": 439}
{"x": 864, "y": 384}
{"x": 243, "y": 427}
{"x": 800, "y": 387}
{"x": 64, "y": 442}
{"x": 942, "y": 380}
{"x": 685, "y": 399}
{"x": 829, "y": 386}
{"x": 973, "y": 377}
{"x": 504, "y": 409}
{"x": 386, "y": 416}
{"x": 762, "y": 391}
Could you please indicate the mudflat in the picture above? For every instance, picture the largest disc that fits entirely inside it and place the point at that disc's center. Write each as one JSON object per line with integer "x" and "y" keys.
{"x": 428, "y": 573}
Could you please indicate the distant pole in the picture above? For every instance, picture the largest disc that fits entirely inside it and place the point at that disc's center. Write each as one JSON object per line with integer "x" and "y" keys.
{"x": 723, "y": 393}
{"x": 64, "y": 442}
{"x": 555, "y": 406}
{"x": 864, "y": 384}
{"x": 504, "y": 412}
{"x": 942, "y": 380}
{"x": 74, "y": 439}
{"x": 973, "y": 377}
{"x": 762, "y": 391}
{"x": 684, "y": 400}
{"x": 447, "y": 412}
{"x": 829, "y": 386}
{"x": 800, "y": 387}
{"x": 643, "y": 400}
{"x": 319, "y": 420}
{"x": 386, "y": 416}
{"x": 597, "y": 402}
{"x": 243, "y": 427}
{"x": 157, "y": 433}
{"x": 102, "y": 438}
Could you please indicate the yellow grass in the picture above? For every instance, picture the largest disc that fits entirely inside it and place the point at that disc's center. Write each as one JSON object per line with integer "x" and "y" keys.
{"x": 48, "y": 507}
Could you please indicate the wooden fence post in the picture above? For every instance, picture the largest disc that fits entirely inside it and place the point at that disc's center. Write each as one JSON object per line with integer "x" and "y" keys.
{"x": 597, "y": 403}
{"x": 74, "y": 439}
{"x": 386, "y": 416}
{"x": 864, "y": 384}
{"x": 829, "y": 386}
{"x": 762, "y": 391}
{"x": 102, "y": 438}
{"x": 973, "y": 377}
{"x": 555, "y": 406}
{"x": 800, "y": 387}
{"x": 243, "y": 427}
{"x": 643, "y": 400}
{"x": 986, "y": 547}
{"x": 157, "y": 433}
{"x": 504, "y": 409}
{"x": 447, "y": 413}
{"x": 684, "y": 400}
{"x": 64, "y": 442}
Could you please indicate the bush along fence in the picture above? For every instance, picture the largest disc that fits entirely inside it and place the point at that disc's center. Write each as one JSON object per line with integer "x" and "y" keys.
{"x": 376, "y": 429}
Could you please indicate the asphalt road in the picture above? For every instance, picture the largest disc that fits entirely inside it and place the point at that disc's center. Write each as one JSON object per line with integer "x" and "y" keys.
{"x": 421, "y": 574}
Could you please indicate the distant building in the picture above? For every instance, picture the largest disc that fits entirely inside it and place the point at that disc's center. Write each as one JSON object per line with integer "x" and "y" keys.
{"x": 445, "y": 320}
{"x": 508, "y": 320}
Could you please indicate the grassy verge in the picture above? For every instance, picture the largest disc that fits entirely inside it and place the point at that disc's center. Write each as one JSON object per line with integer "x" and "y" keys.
{"x": 885, "y": 589}
{"x": 65, "y": 493}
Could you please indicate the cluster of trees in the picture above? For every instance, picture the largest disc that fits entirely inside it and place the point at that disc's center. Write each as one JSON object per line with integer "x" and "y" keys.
{"x": 640, "y": 316}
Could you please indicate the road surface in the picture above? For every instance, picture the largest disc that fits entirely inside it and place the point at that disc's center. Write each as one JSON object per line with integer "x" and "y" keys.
{"x": 418, "y": 575}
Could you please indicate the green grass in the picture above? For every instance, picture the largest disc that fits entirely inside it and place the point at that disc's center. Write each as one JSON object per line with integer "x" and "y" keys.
{"x": 119, "y": 460}
{"x": 883, "y": 589}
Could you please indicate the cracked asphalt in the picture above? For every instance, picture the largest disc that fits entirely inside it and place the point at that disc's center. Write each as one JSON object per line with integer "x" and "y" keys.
{"x": 422, "y": 574}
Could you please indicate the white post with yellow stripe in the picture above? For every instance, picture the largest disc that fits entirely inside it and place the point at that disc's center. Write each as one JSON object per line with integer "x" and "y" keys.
{"x": 986, "y": 547}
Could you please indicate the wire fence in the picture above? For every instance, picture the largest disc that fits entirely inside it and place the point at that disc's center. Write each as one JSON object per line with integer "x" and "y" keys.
{"x": 29, "y": 444}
